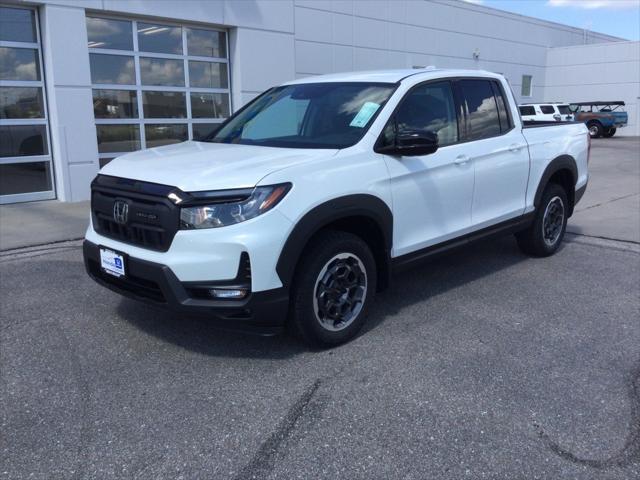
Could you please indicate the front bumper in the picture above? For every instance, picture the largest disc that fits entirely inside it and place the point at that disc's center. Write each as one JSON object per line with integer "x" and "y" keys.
{"x": 262, "y": 312}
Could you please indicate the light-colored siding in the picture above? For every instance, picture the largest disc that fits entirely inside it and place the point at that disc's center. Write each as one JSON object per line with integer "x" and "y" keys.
{"x": 272, "y": 41}
{"x": 606, "y": 72}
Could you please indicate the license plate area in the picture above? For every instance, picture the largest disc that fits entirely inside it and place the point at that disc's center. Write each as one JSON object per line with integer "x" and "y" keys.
{"x": 112, "y": 262}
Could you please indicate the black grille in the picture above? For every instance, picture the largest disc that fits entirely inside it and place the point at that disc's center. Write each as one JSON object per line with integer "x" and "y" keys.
{"x": 130, "y": 283}
{"x": 152, "y": 219}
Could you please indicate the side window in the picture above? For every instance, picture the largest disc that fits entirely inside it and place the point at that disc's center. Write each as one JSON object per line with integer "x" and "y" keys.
{"x": 503, "y": 114}
{"x": 430, "y": 107}
{"x": 527, "y": 110}
{"x": 564, "y": 109}
{"x": 481, "y": 107}
{"x": 547, "y": 109}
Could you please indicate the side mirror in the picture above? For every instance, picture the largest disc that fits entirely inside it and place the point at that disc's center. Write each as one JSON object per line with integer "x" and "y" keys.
{"x": 412, "y": 143}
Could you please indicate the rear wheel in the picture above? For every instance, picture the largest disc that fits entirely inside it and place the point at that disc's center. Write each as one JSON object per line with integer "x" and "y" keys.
{"x": 595, "y": 129}
{"x": 545, "y": 234}
{"x": 334, "y": 285}
{"x": 610, "y": 132}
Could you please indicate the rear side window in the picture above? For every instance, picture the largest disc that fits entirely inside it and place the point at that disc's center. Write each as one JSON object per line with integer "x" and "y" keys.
{"x": 482, "y": 110}
{"x": 503, "y": 114}
{"x": 527, "y": 110}
{"x": 547, "y": 109}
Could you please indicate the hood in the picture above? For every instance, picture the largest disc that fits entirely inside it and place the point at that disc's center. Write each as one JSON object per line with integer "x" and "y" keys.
{"x": 196, "y": 166}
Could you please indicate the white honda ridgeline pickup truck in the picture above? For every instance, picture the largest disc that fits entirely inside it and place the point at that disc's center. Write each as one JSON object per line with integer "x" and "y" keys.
{"x": 297, "y": 210}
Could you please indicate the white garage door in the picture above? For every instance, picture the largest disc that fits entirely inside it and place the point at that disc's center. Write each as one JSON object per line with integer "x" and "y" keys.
{"x": 155, "y": 83}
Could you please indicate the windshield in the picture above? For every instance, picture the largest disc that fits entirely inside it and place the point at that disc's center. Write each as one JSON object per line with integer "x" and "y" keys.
{"x": 313, "y": 115}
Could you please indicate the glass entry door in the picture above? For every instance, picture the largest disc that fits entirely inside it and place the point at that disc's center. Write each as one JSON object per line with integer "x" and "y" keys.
{"x": 26, "y": 171}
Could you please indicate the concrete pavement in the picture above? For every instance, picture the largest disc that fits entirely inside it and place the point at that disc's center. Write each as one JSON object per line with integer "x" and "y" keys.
{"x": 611, "y": 206}
{"x": 483, "y": 364}
{"x": 39, "y": 223}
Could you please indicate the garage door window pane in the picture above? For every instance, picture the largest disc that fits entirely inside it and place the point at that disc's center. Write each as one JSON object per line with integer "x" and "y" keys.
{"x": 209, "y": 105}
{"x": 21, "y": 102}
{"x": 19, "y": 64}
{"x": 165, "y": 134}
{"x": 116, "y": 69}
{"x": 203, "y": 130}
{"x": 23, "y": 140}
{"x": 104, "y": 161}
{"x": 115, "y": 104}
{"x": 118, "y": 138}
{"x": 108, "y": 33}
{"x": 164, "y": 105}
{"x": 159, "y": 38}
{"x": 206, "y": 43}
{"x": 208, "y": 74}
{"x": 17, "y": 25}
{"x": 25, "y": 177}
{"x": 159, "y": 71}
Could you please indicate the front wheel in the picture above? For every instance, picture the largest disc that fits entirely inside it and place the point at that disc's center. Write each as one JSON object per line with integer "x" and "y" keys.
{"x": 545, "y": 234}
{"x": 610, "y": 132}
{"x": 334, "y": 285}
{"x": 595, "y": 129}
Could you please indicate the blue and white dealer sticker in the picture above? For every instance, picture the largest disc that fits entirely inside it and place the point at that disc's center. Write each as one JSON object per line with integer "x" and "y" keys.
{"x": 111, "y": 262}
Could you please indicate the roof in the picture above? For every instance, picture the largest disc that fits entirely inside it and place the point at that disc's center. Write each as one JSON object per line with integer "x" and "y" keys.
{"x": 598, "y": 103}
{"x": 387, "y": 76}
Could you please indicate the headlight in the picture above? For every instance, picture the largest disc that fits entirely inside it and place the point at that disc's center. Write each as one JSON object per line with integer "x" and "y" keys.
{"x": 221, "y": 214}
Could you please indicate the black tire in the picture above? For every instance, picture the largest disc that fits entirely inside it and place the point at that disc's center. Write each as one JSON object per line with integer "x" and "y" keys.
{"x": 309, "y": 317}
{"x": 610, "y": 132}
{"x": 543, "y": 239}
{"x": 595, "y": 129}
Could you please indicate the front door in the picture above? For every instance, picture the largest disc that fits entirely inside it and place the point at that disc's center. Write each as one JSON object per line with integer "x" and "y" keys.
{"x": 432, "y": 194}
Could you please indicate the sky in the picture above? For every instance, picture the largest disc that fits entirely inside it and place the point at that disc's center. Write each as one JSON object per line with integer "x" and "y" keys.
{"x": 620, "y": 18}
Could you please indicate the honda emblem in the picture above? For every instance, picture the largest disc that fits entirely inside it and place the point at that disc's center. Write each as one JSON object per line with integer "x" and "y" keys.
{"x": 120, "y": 212}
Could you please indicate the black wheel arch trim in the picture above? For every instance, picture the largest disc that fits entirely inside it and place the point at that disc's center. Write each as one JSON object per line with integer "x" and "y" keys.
{"x": 563, "y": 162}
{"x": 357, "y": 205}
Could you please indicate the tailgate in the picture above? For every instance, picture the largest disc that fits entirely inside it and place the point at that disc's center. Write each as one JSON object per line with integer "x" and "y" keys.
{"x": 620, "y": 118}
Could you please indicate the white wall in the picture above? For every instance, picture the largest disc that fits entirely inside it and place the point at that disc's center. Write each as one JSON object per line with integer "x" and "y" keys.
{"x": 272, "y": 41}
{"x": 333, "y": 36}
{"x": 609, "y": 71}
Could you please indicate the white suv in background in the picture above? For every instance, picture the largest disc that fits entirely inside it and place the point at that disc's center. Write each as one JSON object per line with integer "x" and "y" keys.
{"x": 545, "y": 112}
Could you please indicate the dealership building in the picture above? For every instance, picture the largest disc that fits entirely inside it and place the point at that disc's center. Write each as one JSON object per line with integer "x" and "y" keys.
{"x": 82, "y": 82}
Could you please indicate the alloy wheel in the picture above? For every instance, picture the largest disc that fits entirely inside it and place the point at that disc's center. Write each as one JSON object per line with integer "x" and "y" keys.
{"x": 553, "y": 221}
{"x": 340, "y": 292}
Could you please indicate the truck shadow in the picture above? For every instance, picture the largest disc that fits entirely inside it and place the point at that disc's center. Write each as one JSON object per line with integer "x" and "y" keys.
{"x": 418, "y": 284}
{"x": 443, "y": 274}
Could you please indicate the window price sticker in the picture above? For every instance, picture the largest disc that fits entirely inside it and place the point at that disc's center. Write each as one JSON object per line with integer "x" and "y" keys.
{"x": 364, "y": 115}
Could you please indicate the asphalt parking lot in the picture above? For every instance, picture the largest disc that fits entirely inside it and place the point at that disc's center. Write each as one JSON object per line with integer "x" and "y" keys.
{"x": 482, "y": 364}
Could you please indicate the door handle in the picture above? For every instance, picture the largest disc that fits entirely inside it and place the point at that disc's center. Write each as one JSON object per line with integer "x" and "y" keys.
{"x": 514, "y": 147}
{"x": 461, "y": 160}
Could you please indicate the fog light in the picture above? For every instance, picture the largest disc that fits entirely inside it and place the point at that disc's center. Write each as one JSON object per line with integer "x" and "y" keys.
{"x": 229, "y": 293}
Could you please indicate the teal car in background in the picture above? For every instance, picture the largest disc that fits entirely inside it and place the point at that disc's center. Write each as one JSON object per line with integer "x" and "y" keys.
{"x": 602, "y": 118}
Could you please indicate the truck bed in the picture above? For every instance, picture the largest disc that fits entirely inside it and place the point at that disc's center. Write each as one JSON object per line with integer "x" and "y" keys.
{"x": 548, "y": 140}
{"x": 544, "y": 123}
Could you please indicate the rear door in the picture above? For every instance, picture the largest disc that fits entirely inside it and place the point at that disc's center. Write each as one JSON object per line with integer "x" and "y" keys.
{"x": 497, "y": 149}
{"x": 432, "y": 194}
